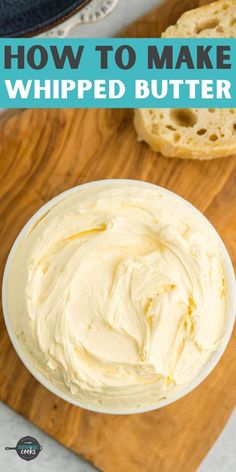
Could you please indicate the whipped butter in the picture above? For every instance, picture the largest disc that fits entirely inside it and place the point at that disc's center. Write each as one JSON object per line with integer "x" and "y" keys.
{"x": 117, "y": 294}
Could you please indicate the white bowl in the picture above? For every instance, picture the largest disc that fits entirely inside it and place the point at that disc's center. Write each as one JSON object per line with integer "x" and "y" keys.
{"x": 207, "y": 368}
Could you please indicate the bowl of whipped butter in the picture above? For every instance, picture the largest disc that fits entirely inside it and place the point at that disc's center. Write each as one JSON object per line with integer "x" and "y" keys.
{"x": 119, "y": 296}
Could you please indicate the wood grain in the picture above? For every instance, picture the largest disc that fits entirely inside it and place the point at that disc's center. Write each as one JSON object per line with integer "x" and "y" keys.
{"x": 42, "y": 153}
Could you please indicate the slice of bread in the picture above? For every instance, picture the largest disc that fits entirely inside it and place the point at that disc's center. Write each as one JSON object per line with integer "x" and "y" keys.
{"x": 216, "y": 20}
{"x": 194, "y": 133}
{"x": 188, "y": 133}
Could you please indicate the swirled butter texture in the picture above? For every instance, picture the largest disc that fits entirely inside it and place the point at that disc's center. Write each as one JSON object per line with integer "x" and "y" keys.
{"x": 117, "y": 293}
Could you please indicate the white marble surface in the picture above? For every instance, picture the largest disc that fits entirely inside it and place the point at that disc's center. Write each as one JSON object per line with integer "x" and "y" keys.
{"x": 52, "y": 458}
{"x": 55, "y": 458}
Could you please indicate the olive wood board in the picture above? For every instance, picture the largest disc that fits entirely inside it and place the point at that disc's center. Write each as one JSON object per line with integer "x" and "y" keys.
{"x": 44, "y": 152}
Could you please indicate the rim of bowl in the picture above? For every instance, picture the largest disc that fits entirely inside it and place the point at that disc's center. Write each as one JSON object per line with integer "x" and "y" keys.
{"x": 207, "y": 368}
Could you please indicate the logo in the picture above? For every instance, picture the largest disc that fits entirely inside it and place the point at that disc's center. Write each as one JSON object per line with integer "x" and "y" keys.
{"x": 27, "y": 448}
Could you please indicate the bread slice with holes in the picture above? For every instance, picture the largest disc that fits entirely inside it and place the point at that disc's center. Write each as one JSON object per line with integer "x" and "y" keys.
{"x": 188, "y": 133}
{"x": 216, "y": 20}
{"x": 194, "y": 133}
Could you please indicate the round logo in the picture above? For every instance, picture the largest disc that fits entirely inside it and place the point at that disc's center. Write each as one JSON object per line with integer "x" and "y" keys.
{"x": 27, "y": 448}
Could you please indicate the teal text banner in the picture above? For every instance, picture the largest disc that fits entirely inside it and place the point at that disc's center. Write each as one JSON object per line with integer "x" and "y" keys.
{"x": 117, "y": 73}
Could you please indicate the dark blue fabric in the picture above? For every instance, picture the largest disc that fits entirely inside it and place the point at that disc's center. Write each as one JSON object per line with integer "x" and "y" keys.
{"x": 23, "y": 17}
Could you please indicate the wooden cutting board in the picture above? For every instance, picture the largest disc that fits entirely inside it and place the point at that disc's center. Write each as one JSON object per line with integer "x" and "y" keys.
{"x": 44, "y": 152}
